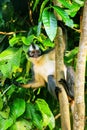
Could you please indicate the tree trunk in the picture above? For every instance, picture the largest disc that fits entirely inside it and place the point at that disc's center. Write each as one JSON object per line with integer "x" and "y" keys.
{"x": 63, "y": 100}
{"x": 59, "y": 68}
{"x": 79, "y": 109}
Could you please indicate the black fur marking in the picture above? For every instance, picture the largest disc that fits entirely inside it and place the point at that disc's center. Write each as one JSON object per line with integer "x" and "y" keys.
{"x": 57, "y": 91}
{"x": 67, "y": 88}
{"x": 33, "y": 45}
{"x": 17, "y": 83}
{"x": 52, "y": 88}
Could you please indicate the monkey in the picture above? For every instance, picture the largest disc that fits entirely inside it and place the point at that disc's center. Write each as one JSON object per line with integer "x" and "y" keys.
{"x": 44, "y": 72}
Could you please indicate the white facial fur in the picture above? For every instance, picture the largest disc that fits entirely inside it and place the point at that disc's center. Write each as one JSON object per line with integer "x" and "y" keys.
{"x": 31, "y": 48}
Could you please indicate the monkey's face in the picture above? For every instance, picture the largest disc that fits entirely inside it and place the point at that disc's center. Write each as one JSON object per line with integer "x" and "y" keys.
{"x": 34, "y": 51}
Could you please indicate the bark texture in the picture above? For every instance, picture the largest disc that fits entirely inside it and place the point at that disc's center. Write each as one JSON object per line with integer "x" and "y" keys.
{"x": 59, "y": 67}
{"x": 79, "y": 109}
{"x": 63, "y": 100}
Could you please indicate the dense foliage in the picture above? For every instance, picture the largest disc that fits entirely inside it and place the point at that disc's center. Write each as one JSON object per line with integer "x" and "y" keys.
{"x": 21, "y": 23}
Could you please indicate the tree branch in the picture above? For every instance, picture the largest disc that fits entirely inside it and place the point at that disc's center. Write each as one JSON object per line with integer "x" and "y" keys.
{"x": 64, "y": 105}
{"x": 79, "y": 109}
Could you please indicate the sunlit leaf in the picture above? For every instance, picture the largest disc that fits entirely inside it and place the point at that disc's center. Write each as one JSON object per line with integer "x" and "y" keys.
{"x": 10, "y": 61}
{"x": 39, "y": 28}
{"x": 5, "y": 113}
{"x": 72, "y": 7}
{"x": 33, "y": 113}
{"x": 22, "y": 124}
{"x": 35, "y": 4}
{"x": 65, "y": 17}
{"x": 17, "y": 108}
{"x": 48, "y": 43}
{"x": 50, "y": 23}
{"x": 48, "y": 118}
{"x": 14, "y": 40}
{"x": 28, "y": 40}
{"x": 5, "y": 123}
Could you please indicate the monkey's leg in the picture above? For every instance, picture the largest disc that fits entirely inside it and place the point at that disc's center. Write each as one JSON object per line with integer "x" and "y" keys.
{"x": 52, "y": 88}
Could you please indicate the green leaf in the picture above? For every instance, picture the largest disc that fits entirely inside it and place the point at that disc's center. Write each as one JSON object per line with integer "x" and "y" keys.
{"x": 35, "y": 4}
{"x": 73, "y": 10}
{"x": 73, "y": 7}
{"x": 42, "y": 8}
{"x": 22, "y": 124}
{"x": 17, "y": 108}
{"x": 65, "y": 3}
{"x": 48, "y": 43}
{"x": 11, "y": 90}
{"x": 70, "y": 56}
{"x": 28, "y": 40}
{"x": 80, "y": 2}
{"x": 5, "y": 123}
{"x": 65, "y": 17}
{"x": 14, "y": 40}
{"x": 10, "y": 61}
{"x": 1, "y": 103}
{"x": 7, "y": 54}
{"x": 48, "y": 118}
{"x": 39, "y": 28}
{"x": 71, "y": 53}
{"x": 33, "y": 113}
{"x": 50, "y": 24}
{"x": 5, "y": 113}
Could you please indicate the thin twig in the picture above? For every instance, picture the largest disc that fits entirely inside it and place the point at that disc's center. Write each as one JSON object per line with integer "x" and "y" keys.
{"x": 10, "y": 33}
{"x": 57, "y": 116}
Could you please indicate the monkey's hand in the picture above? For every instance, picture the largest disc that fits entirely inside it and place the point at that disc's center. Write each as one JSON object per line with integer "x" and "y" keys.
{"x": 17, "y": 83}
{"x": 67, "y": 88}
{"x": 28, "y": 85}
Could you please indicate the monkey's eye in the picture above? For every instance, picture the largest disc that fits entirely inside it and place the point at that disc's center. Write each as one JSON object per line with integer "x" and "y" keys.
{"x": 31, "y": 53}
{"x": 34, "y": 53}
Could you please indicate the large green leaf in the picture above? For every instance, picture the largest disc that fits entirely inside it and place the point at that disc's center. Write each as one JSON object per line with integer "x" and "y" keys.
{"x": 10, "y": 61}
{"x": 21, "y": 124}
{"x": 72, "y": 7}
{"x": 33, "y": 113}
{"x": 7, "y": 54}
{"x": 17, "y": 108}
{"x": 48, "y": 118}
{"x": 5, "y": 123}
{"x": 50, "y": 23}
{"x": 64, "y": 15}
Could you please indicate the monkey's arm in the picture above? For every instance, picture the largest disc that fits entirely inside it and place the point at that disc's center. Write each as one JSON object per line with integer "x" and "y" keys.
{"x": 38, "y": 82}
{"x": 34, "y": 84}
